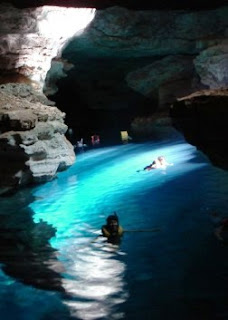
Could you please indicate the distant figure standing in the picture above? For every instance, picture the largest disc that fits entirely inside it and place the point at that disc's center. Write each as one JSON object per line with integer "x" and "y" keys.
{"x": 95, "y": 140}
{"x": 80, "y": 145}
{"x": 125, "y": 137}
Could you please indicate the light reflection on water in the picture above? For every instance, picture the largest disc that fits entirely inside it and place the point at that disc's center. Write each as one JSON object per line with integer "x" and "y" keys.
{"x": 77, "y": 204}
{"x": 98, "y": 281}
{"x": 149, "y": 270}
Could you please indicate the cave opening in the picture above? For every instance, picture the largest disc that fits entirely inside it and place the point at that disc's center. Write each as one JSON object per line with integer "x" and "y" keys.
{"x": 96, "y": 99}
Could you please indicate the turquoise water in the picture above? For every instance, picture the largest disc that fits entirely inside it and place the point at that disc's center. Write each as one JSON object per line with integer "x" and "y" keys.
{"x": 169, "y": 264}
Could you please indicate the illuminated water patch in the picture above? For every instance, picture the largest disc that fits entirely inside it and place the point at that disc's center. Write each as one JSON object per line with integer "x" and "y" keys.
{"x": 148, "y": 269}
{"x": 76, "y": 204}
{"x": 100, "y": 181}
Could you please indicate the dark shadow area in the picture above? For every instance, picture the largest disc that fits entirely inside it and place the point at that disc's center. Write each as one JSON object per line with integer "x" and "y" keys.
{"x": 9, "y": 167}
{"x": 203, "y": 121}
{"x": 25, "y": 252}
{"x": 131, "y": 4}
{"x": 197, "y": 284}
{"x": 97, "y": 100}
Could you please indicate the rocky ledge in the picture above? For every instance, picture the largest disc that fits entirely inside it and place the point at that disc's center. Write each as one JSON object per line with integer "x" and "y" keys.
{"x": 33, "y": 146}
{"x": 202, "y": 117}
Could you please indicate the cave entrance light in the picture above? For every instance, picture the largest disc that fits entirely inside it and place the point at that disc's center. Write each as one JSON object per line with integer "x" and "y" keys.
{"x": 64, "y": 22}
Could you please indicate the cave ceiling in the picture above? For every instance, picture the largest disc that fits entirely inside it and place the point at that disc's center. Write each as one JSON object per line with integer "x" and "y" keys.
{"x": 100, "y": 66}
{"x": 131, "y": 4}
{"x": 133, "y": 62}
{"x": 122, "y": 59}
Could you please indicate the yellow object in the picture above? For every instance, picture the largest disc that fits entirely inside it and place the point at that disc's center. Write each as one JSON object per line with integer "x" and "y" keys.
{"x": 124, "y": 136}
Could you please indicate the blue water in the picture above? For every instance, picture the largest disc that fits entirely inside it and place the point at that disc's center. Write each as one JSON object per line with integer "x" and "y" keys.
{"x": 169, "y": 264}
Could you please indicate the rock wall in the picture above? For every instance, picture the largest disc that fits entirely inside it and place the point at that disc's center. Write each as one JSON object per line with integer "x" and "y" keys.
{"x": 212, "y": 66}
{"x": 32, "y": 37}
{"x": 155, "y": 49}
{"x": 111, "y": 59}
{"x": 159, "y": 55}
{"x": 33, "y": 147}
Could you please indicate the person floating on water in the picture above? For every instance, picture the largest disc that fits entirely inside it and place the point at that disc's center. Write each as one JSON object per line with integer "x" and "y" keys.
{"x": 112, "y": 230}
{"x": 160, "y": 162}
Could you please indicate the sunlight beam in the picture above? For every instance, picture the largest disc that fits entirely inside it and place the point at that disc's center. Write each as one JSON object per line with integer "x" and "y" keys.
{"x": 60, "y": 22}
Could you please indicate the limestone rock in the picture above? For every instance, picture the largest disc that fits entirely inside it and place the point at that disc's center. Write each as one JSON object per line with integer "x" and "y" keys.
{"x": 212, "y": 66}
{"x": 25, "y": 91}
{"x": 157, "y": 126}
{"x": 35, "y": 48}
{"x": 147, "y": 54}
{"x": 161, "y": 73}
{"x": 30, "y": 38}
{"x": 58, "y": 70}
{"x": 33, "y": 147}
{"x": 119, "y": 32}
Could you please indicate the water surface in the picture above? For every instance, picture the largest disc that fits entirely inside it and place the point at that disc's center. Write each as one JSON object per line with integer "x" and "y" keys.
{"x": 169, "y": 264}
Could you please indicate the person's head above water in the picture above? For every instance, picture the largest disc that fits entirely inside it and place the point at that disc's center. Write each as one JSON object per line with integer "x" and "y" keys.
{"x": 112, "y": 217}
{"x": 112, "y": 230}
{"x": 113, "y": 222}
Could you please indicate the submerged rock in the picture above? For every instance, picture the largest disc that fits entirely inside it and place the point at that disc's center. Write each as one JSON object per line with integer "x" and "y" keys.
{"x": 25, "y": 250}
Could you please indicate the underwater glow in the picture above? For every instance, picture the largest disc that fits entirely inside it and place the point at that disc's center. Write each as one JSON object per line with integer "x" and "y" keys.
{"x": 98, "y": 268}
{"x": 85, "y": 190}
{"x": 77, "y": 203}
{"x": 167, "y": 251}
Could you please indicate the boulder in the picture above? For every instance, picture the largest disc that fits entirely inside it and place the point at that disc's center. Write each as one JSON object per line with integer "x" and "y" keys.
{"x": 33, "y": 146}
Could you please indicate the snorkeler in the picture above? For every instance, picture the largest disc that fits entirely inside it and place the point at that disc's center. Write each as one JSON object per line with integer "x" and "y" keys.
{"x": 112, "y": 230}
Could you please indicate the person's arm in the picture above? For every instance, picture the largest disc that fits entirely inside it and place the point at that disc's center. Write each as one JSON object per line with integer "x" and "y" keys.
{"x": 105, "y": 232}
{"x": 153, "y": 165}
